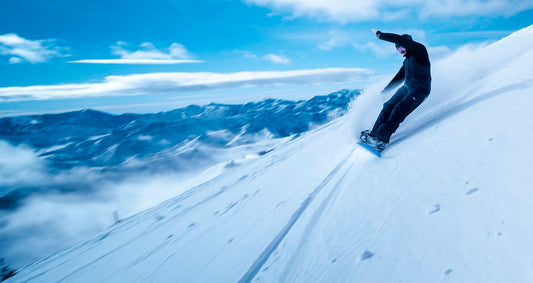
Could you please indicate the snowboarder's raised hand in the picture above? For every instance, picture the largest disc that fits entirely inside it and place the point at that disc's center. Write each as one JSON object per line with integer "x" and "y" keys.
{"x": 376, "y": 32}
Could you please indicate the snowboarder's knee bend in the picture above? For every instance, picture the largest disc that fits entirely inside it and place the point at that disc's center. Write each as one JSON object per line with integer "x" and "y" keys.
{"x": 416, "y": 98}
{"x": 419, "y": 94}
{"x": 388, "y": 106}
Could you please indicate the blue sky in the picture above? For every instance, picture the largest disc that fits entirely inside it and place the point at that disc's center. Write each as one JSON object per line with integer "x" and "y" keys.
{"x": 146, "y": 56}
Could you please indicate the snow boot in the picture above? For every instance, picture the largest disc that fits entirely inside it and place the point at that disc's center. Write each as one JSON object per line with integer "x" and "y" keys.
{"x": 368, "y": 138}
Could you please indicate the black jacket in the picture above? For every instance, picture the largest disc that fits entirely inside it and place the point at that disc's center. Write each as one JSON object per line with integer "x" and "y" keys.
{"x": 416, "y": 66}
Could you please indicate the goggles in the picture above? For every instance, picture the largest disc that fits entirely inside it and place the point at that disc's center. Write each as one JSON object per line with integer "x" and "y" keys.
{"x": 401, "y": 49}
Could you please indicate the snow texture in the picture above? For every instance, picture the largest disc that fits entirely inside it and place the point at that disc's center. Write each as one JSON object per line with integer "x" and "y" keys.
{"x": 450, "y": 199}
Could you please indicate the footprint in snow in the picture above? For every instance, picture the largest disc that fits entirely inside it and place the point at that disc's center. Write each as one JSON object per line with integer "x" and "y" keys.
{"x": 471, "y": 191}
{"x": 435, "y": 209}
{"x": 366, "y": 255}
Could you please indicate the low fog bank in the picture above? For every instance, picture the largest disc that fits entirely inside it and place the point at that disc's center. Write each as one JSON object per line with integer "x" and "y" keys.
{"x": 44, "y": 211}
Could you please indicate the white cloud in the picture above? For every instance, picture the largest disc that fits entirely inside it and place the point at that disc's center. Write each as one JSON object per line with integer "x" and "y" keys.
{"x": 446, "y": 8}
{"x": 165, "y": 83}
{"x": 380, "y": 50}
{"x": 136, "y": 61}
{"x": 273, "y": 58}
{"x": 245, "y": 54}
{"x": 15, "y": 60}
{"x": 336, "y": 39}
{"x": 439, "y": 52}
{"x": 148, "y": 51}
{"x": 147, "y": 54}
{"x": 485, "y": 34}
{"x": 19, "y": 49}
{"x": 276, "y": 59}
{"x": 334, "y": 10}
{"x": 345, "y": 11}
{"x": 179, "y": 51}
{"x": 22, "y": 170}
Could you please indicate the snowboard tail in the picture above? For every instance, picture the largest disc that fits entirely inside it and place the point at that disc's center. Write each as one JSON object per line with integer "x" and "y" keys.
{"x": 370, "y": 149}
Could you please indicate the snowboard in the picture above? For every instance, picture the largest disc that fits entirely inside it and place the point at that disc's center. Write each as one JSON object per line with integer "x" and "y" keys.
{"x": 370, "y": 149}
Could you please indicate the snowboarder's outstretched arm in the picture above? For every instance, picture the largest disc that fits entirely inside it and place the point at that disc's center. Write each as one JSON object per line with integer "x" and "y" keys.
{"x": 416, "y": 49}
{"x": 398, "y": 79}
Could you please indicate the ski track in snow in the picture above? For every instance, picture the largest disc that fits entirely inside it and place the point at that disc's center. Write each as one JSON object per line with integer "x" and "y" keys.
{"x": 265, "y": 255}
{"x": 355, "y": 159}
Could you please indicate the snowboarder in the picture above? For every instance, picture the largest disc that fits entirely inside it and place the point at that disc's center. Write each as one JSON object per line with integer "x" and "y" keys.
{"x": 415, "y": 72}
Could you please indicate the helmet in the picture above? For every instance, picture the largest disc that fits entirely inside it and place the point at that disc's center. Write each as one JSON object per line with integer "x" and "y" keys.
{"x": 406, "y": 36}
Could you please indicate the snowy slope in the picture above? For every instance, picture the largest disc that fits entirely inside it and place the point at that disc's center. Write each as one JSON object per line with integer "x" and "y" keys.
{"x": 450, "y": 200}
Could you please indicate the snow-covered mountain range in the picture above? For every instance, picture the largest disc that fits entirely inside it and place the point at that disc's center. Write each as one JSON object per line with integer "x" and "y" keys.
{"x": 450, "y": 199}
{"x": 180, "y": 140}
{"x": 95, "y": 138}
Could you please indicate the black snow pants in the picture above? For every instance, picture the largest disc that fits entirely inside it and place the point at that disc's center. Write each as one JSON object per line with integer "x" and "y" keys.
{"x": 396, "y": 109}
